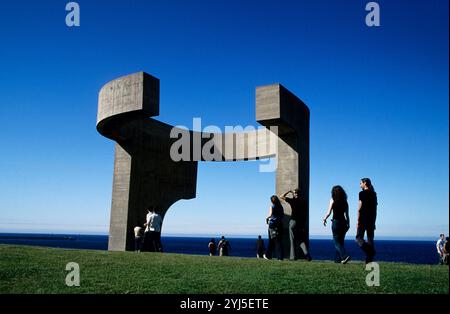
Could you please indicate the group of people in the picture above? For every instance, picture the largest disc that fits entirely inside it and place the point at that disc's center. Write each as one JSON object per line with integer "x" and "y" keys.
{"x": 151, "y": 240}
{"x": 443, "y": 249}
{"x": 297, "y": 227}
{"x": 365, "y": 224}
{"x": 223, "y": 247}
{"x": 338, "y": 206}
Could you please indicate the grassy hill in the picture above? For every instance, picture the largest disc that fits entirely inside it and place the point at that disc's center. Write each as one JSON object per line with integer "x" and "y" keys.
{"x": 25, "y": 269}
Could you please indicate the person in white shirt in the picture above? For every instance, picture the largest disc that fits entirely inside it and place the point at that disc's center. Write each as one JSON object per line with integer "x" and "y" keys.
{"x": 153, "y": 231}
{"x": 148, "y": 241}
{"x": 137, "y": 238}
{"x": 440, "y": 248}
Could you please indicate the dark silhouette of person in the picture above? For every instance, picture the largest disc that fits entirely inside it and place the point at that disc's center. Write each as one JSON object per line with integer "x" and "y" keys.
{"x": 155, "y": 228}
{"x": 212, "y": 247}
{"x": 340, "y": 222}
{"x": 446, "y": 251}
{"x": 367, "y": 215}
{"x": 297, "y": 224}
{"x": 275, "y": 230}
{"x": 224, "y": 247}
{"x": 260, "y": 247}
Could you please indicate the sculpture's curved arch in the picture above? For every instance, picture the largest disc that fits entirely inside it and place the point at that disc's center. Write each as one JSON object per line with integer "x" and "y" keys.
{"x": 145, "y": 173}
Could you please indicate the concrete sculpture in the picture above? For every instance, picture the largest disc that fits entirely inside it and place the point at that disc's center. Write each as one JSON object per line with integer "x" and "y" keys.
{"x": 146, "y": 174}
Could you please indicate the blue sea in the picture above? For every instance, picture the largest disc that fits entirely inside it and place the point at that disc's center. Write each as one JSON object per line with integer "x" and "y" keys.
{"x": 416, "y": 252}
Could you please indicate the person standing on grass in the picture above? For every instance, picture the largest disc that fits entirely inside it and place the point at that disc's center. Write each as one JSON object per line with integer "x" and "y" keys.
{"x": 155, "y": 228}
{"x": 148, "y": 245}
{"x": 440, "y": 248}
{"x": 260, "y": 247}
{"x": 446, "y": 251}
{"x": 137, "y": 238}
{"x": 212, "y": 247}
{"x": 275, "y": 230}
{"x": 224, "y": 247}
{"x": 340, "y": 222}
{"x": 152, "y": 239}
{"x": 297, "y": 224}
{"x": 367, "y": 215}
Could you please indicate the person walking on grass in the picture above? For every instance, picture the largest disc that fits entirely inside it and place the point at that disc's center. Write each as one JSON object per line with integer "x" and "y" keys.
{"x": 340, "y": 222}
{"x": 275, "y": 230}
{"x": 367, "y": 215}
{"x": 297, "y": 224}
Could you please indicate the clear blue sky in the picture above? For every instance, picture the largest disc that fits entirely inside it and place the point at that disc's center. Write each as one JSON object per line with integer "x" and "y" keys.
{"x": 378, "y": 97}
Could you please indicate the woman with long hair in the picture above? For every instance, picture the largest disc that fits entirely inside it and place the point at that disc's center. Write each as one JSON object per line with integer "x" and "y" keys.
{"x": 340, "y": 222}
{"x": 275, "y": 222}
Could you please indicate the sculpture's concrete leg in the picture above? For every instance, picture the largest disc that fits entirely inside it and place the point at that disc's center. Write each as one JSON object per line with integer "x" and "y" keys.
{"x": 143, "y": 177}
{"x": 120, "y": 200}
{"x": 144, "y": 172}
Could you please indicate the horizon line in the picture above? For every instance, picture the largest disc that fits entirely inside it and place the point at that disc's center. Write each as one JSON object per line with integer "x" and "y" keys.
{"x": 208, "y": 235}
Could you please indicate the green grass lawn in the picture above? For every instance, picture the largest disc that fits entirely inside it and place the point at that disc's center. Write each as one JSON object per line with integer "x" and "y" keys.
{"x": 25, "y": 269}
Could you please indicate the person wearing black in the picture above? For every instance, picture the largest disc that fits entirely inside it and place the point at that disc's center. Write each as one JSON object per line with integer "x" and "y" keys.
{"x": 340, "y": 222}
{"x": 260, "y": 247}
{"x": 147, "y": 243}
{"x": 367, "y": 215}
{"x": 297, "y": 224}
{"x": 446, "y": 251}
{"x": 224, "y": 247}
{"x": 275, "y": 222}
